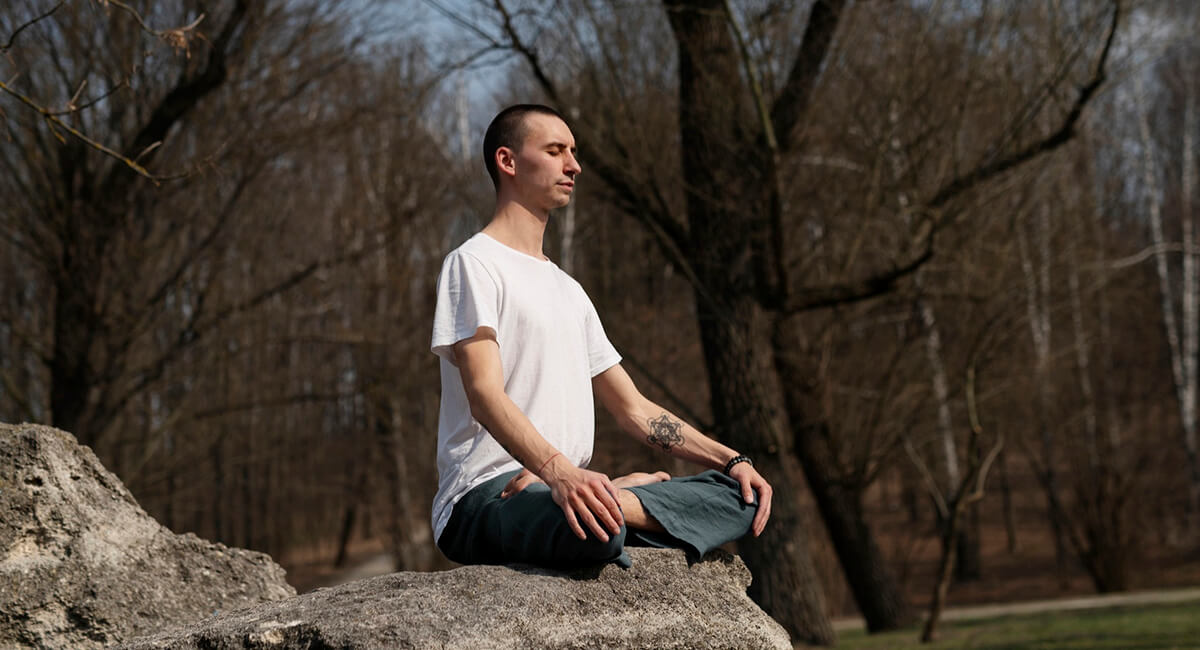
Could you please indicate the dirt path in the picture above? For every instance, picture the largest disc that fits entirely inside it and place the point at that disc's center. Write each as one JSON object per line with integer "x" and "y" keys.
{"x": 1153, "y": 597}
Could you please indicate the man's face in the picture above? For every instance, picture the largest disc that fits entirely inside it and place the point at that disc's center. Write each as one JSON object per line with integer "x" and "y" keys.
{"x": 545, "y": 164}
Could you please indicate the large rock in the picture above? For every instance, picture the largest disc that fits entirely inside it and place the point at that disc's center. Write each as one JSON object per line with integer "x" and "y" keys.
{"x": 660, "y": 603}
{"x": 83, "y": 566}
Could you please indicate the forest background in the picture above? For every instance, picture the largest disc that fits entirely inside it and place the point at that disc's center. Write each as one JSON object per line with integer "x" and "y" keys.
{"x": 933, "y": 264}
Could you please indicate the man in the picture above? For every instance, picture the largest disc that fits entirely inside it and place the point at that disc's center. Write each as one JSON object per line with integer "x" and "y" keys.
{"x": 522, "y": 351}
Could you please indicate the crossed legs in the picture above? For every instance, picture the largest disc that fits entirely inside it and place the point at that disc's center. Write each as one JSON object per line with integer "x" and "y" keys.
{"x": 631, "y": 506}
{"x": 702, "y": 512}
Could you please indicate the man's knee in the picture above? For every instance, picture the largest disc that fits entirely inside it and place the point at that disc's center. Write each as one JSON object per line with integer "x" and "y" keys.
{"x": 583, "y": 552}
{"x": 746, "y": 512}
{"x": 732, "y": 493}
{"x": 615, "y": 545}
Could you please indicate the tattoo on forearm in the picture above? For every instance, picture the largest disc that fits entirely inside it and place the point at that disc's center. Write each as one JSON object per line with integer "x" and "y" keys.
{"x": 665, "y": 432}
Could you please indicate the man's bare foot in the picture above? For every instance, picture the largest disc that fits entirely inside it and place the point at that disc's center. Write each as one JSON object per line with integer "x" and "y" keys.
{"x": 640, "y": 478}
{"x": 635, "y": 514}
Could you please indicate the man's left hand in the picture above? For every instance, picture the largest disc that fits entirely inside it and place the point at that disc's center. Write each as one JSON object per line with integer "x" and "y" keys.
{"x": 753, "y": 482}
{"x": 519, "y": 482}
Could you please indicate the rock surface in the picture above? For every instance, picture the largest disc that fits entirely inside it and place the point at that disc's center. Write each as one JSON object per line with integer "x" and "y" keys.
{"x": 660, "y": 603}
{"x": 83, "y": 566}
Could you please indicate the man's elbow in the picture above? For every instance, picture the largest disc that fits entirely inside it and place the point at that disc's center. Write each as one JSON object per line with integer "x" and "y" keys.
{"x": 480, "y": 403}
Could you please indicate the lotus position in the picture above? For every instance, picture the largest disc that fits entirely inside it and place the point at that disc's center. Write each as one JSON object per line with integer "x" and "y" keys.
{"x": 522, "y": 354}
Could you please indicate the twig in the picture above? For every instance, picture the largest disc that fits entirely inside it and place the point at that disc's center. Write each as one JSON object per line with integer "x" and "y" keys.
{"x": 7, "y": 46}
{"x": 760, "y": 104}
{"x": 176, "y": 37}
{"x": 1064, "y": 133}
{"x": 52, "y": 118}
{"x": 930, "y": 483}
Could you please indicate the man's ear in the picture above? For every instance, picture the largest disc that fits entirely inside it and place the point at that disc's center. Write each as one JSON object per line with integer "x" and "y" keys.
{"x": 506, "y": 161}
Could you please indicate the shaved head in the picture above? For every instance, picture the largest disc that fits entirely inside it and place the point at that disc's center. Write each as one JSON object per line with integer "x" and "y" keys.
{"x": 508, "y": 129}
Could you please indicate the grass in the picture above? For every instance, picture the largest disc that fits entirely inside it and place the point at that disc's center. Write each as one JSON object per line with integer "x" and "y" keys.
{"x": 1148, "y": 627}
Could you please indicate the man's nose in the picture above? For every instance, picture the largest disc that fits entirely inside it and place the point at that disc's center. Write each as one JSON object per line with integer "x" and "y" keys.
{"x": 573, "y": 166}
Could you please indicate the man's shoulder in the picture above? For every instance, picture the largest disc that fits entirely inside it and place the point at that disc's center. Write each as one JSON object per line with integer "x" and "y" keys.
{"x": 472, "y": 246}
{"x": 571, "y": 281}
{"x": 473, "y": 250}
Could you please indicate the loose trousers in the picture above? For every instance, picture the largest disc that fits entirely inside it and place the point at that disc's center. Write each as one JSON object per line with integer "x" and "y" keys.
{"x": 698, "y": 512}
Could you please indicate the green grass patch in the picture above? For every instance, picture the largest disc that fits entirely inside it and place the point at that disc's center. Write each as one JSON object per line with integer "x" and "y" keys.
{"x": 1148, "y": 627}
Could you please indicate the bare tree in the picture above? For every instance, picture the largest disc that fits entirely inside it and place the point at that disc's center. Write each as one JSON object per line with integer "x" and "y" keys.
{"x": 88, "y": 220}
{"x": 730, "y": 241}
{"x": 1182, "y": 331}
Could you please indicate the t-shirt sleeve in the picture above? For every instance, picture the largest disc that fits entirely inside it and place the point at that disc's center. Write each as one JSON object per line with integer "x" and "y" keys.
{"x": 601, "y": 353}
{"x": 467, "y": 299}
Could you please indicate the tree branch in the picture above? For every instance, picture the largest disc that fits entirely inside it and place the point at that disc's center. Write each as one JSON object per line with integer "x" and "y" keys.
{"x": 1059, "y": 137}
{"x": 809, "y": 298}
{"x": 939, "y": 500}
{"x": 797, "y": 91}
{"x": 527, "y": 52}
{"x": 13, "y": 37}
{"x": 53, "y": 120}
{"x": 183, "y": 97}
{"x": 671, "y": 237}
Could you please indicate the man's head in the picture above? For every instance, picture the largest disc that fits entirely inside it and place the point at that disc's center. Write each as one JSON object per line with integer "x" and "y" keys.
{"x": 530, "y": 147}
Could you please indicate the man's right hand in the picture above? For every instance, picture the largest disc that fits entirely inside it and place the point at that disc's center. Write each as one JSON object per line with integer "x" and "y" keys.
{"x": 584, "y": 495}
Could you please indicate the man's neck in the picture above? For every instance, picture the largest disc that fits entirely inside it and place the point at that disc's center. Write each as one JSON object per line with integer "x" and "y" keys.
{"x": 519, "y": 228}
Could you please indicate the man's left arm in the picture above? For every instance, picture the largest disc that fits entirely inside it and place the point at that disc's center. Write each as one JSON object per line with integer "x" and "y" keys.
{"x": 656, "y": 426}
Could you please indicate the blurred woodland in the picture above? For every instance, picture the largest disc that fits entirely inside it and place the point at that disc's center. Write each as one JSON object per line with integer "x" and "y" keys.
{"x": 932, "y": 264}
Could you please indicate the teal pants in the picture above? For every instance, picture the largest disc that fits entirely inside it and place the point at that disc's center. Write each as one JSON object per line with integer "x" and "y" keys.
{"x": 698, "y": 512}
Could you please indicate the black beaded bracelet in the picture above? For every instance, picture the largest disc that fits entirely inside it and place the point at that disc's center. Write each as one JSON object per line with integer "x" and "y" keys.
{"x": 737, "y": 459}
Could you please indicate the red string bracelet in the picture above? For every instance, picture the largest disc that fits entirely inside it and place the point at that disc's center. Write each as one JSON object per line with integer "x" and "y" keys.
{"x": 547, "y": 461}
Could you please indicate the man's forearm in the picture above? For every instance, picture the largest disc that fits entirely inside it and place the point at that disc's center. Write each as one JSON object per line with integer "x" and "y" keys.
{"x": 510, "y": 427}
{"x": 658, "y": 427}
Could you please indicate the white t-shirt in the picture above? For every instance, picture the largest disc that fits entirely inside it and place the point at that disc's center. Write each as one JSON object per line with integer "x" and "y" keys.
{"x": 551, "y": 345}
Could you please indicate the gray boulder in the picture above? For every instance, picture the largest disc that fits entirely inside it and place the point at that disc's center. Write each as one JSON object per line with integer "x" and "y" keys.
{"x": 83, "y": 566}
{"x": 660, "y": 603}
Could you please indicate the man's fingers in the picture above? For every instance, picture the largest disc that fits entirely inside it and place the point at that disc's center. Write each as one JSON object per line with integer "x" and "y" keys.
{"x": 764, "y": 510}
{"x": 590, "y": 520}
{"x": 614, "y": 505}
{"x": 605, "y": 514}
{"x": 763, "y": 524}
{"x": 569, "y": 513}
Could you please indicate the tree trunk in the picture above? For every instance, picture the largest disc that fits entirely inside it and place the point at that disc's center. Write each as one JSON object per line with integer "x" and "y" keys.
{"x": 942, "y": 585}
{"x": 1037, "y": 302}
{"x": 1006, "y": 502}
{"x": 74, "y": 324}
{"x": 727, "y": 211}
{"x": 746, "y": 408}
{"x": 1191, "y": 298}
{"x": 880, "y": 601}
{"x": 1182, "y": 370}
{"x": 969, "y": 564}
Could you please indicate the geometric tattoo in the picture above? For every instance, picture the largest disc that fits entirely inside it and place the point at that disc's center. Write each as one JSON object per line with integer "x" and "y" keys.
{"x": 664, "y": 432}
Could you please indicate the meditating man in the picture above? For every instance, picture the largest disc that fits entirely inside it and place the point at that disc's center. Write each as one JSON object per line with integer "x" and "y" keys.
{"x": 522, "y": 351}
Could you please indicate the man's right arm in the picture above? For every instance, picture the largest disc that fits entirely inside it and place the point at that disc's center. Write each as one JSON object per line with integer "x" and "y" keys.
{"x": 583, "y": 495}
